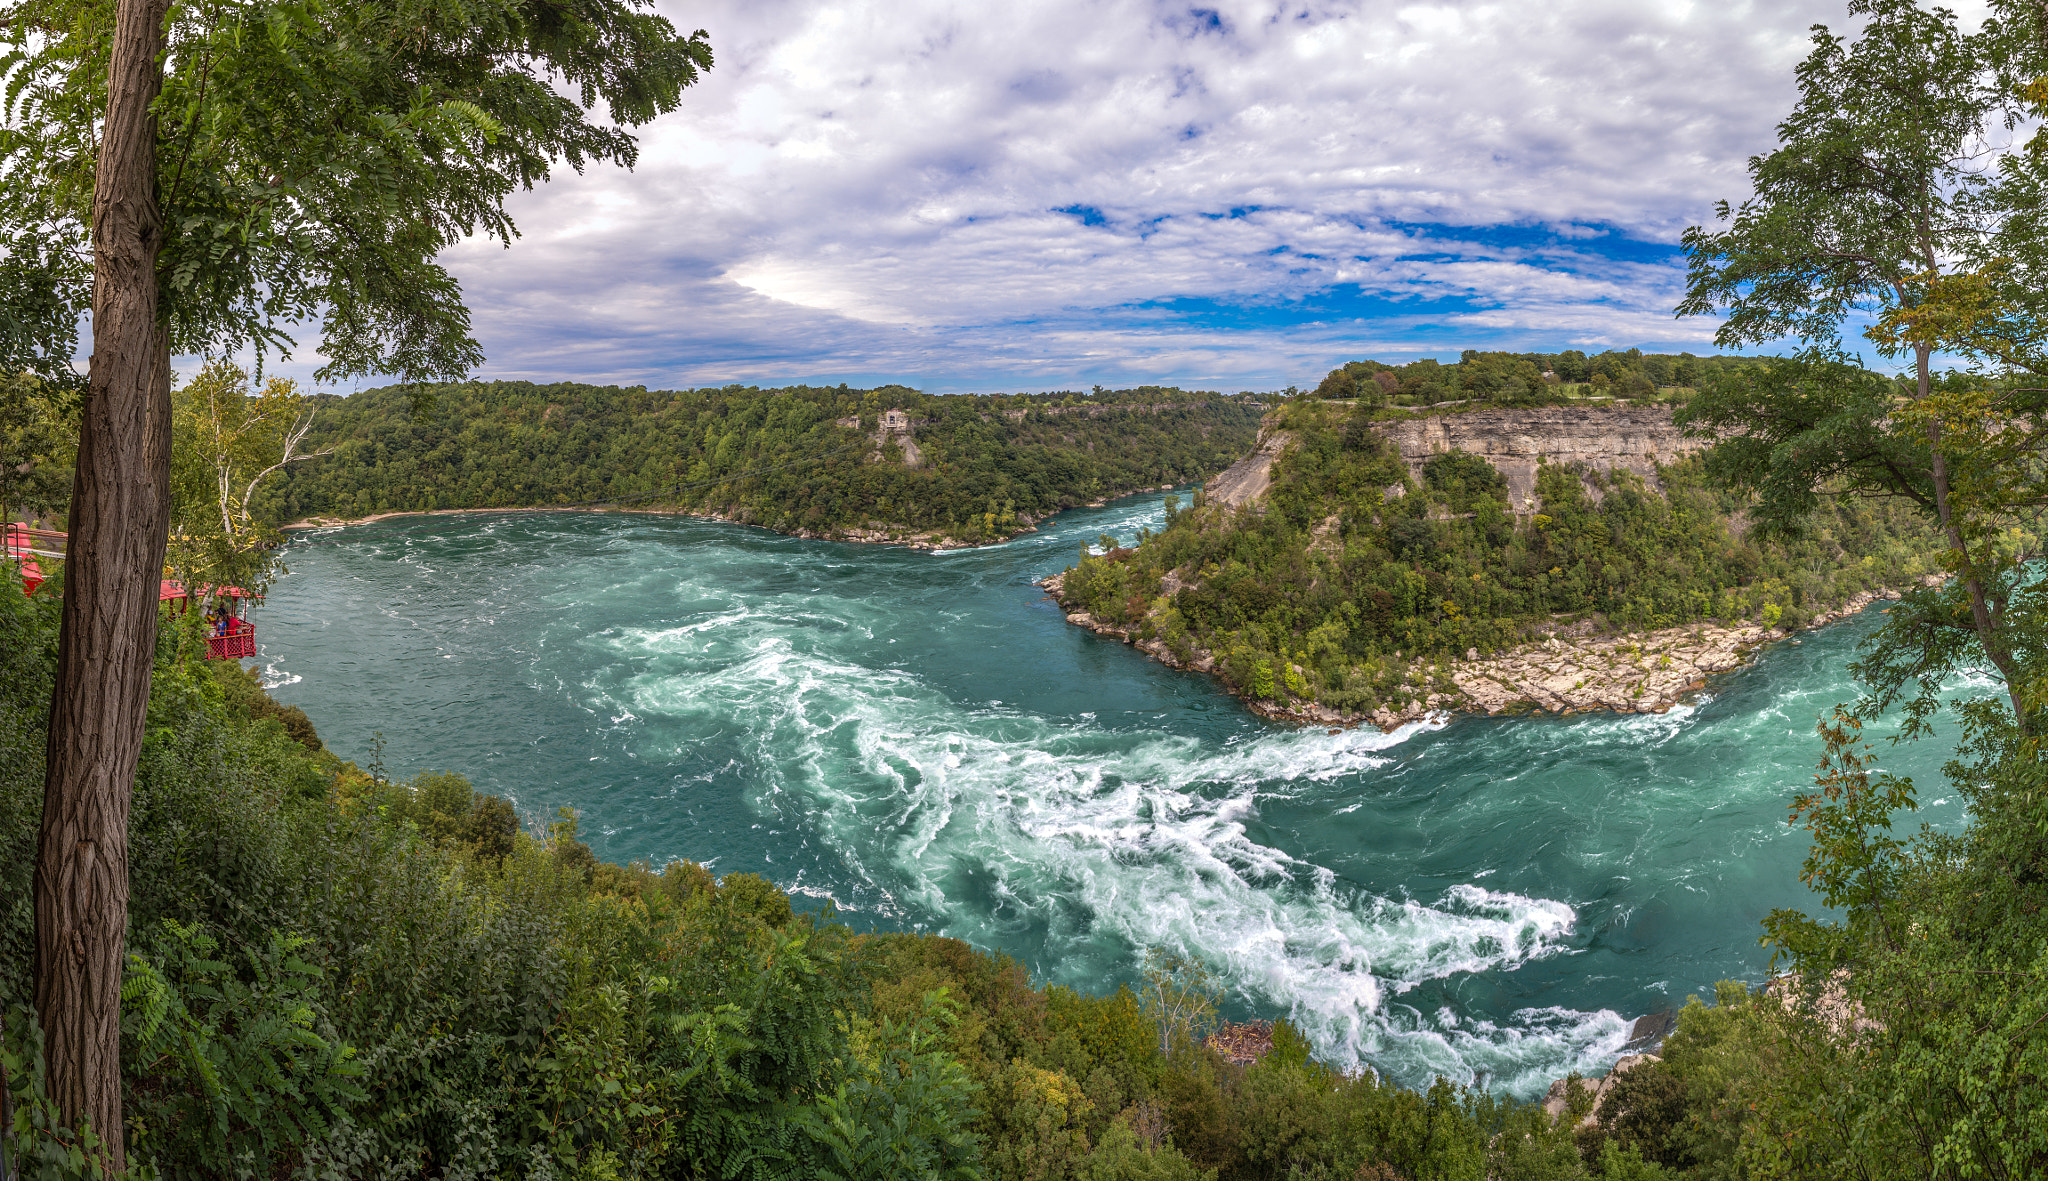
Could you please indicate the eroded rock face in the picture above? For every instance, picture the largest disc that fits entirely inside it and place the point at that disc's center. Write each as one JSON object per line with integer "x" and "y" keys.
{"x": 1516, "y": 440}
{"x": 1248, "y": 478}
{"x": 1558, "y": 1099}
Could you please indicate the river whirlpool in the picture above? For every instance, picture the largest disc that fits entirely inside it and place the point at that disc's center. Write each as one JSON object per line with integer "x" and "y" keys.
{"x": 923, "y": 740}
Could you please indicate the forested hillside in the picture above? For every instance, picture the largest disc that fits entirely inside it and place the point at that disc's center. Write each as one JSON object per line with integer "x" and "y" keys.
{"x": 819, "y": 460}
{"x": 1349, "y": 571}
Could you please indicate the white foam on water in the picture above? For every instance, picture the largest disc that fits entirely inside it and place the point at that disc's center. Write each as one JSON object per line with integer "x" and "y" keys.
{"x": 1091, "y": 844}
{"x": 273, "y": 677}
{"x": 1634, "y": 729}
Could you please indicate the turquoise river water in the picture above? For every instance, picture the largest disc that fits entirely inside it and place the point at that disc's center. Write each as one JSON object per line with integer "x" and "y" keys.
{"x": 923, "y": 740}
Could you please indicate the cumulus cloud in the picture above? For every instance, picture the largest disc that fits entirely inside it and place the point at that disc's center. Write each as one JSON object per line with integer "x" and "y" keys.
{"x": 1235, "y": 194}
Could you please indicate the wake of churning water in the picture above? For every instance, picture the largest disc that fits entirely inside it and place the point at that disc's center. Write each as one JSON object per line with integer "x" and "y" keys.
{"x": 1088, "y": 845}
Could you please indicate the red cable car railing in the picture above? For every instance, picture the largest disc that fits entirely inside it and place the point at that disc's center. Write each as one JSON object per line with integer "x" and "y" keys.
{"x": 237, "y": 643}
{"x": 229, "y": 636}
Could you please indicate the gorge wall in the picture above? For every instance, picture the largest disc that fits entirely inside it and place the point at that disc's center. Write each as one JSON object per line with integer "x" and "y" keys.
{"x": 1516, "y": 440}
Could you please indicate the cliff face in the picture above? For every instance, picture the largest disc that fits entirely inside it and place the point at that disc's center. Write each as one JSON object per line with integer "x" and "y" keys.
{"x": 1248, "y": 478}
{"x": 1514, "y": 441}
{"x": 1402, "y": 604}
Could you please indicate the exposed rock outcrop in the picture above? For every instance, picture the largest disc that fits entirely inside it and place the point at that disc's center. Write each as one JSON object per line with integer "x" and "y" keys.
{"x": 1247, "y": 479}
{"x": 893, "y": 427}
{"x": 1628, "y": 674}
{"x": 1517, "y": 440}
{"x": 897, "y": 427}
{"x": 1559, "y": 1099}
{"x": 1648, "y": 1034}
{"x": 1831, "y": 1004}
{"x": 1645, "y": 1040}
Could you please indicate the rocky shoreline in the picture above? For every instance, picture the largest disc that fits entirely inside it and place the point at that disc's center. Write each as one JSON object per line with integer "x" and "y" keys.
{"x": 1560, "y": 674}
{"x": 876, "y": 535}
{"x": 923, "y": 541}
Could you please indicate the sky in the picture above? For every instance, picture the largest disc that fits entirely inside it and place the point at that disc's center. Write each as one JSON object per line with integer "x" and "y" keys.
{"x": 961, "y": 196}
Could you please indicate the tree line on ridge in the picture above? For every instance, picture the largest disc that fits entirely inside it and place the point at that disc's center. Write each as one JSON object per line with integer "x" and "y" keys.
{"x": 800, "y": 458}
{"x": 1524, "y": 379}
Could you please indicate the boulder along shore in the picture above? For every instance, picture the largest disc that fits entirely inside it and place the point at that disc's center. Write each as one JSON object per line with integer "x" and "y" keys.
{"x": 1559, "y": 674}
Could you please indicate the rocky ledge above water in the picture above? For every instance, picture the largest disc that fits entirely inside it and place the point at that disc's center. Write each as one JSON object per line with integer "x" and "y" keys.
{"x": 1645, "y": 672}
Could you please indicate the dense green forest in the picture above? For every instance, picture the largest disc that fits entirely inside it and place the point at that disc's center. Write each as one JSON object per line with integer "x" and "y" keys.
{"x": 796, "y": 459}
{"x": 1329, "y": 588}
{"x": 1525, "y": 379}
{"x": 336, "y": 975}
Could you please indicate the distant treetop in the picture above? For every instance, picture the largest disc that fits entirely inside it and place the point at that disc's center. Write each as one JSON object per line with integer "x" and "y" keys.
{"x": 1522, "y": 379}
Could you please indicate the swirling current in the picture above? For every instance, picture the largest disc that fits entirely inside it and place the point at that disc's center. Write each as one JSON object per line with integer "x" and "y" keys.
{"x": 923, "y": 740}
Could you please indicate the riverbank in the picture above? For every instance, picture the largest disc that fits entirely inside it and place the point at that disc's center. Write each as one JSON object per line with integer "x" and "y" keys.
{"x": 1559, "y": 674}
{"x": 872, "y": 536}
{"x": 875, "y": 534}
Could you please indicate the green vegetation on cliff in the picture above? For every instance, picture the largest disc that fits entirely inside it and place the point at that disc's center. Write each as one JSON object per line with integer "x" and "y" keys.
{"x": 1523, "y": 379}
{"x": 1348, "y": 569}
{"x": 803, "y": 458}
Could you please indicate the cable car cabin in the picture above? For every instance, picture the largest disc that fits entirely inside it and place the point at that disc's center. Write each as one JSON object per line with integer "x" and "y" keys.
{"x": 229, "y": 636}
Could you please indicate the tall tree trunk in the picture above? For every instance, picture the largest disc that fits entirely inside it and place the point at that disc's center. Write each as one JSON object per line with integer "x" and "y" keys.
{"x": 1988, "y": 634}
{"x": 120, "y": 517}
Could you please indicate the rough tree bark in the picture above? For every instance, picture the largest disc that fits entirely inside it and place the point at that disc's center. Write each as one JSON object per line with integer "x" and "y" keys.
{"x": 120, "y": 519}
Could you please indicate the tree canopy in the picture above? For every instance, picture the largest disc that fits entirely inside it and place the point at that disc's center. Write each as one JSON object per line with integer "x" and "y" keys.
{"x": 1521, "y": 379}
{"x": 313, "y": 159}
{"x": 817, "y": 459}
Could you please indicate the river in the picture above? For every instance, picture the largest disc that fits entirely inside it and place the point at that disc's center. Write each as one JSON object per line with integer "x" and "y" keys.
{"x": 923, "y": 740}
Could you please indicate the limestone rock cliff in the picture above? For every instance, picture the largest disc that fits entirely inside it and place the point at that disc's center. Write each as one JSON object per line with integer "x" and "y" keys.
{"x": 1247, "y": 479}
{"x": 1516, "y": 440}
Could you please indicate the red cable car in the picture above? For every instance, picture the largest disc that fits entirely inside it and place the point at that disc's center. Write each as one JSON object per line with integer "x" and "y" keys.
{"x": 228, "y": 635}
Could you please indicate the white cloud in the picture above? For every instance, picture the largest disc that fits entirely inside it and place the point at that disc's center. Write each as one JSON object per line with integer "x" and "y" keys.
{"x": 868, "y": 191}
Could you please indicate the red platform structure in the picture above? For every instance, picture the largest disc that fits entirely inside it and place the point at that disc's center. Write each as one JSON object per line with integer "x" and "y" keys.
{"x": 229, "y": 635}
{"x": 238, "y": 643}
{"x": 19, "y": 543}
